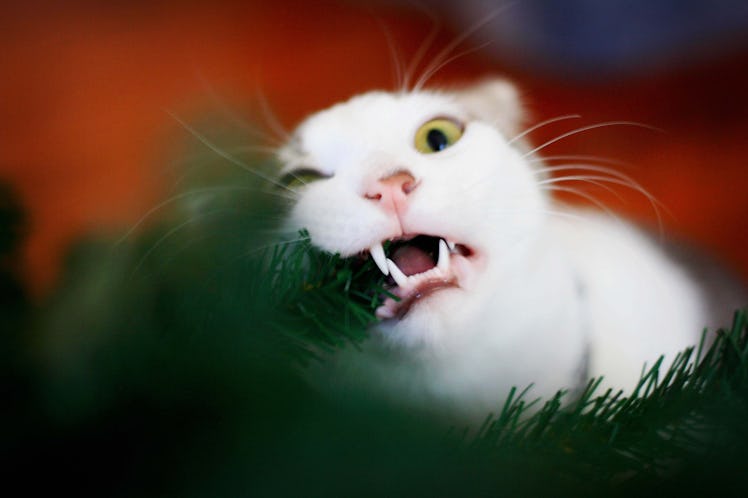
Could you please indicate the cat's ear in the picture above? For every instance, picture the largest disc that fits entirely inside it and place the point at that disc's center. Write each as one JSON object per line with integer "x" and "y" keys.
{"x": 494, "y": 101}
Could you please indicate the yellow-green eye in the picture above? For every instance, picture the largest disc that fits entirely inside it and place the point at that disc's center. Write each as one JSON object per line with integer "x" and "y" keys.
{"x": 302, "y": 176}
{"x": 437, "y": 135}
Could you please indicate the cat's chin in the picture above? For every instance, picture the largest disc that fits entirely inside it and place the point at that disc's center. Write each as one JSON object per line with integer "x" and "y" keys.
{"x": 426, "y": 321}
{"x": 397, "y": 310}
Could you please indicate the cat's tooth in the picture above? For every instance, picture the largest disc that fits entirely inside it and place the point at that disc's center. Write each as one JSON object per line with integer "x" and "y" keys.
{"x": 400, "y": 278}
{"x": 377, "y": 254}
{"x": 384, "y": 313}
{"x": 443, "y": 262}
{"x": 451, "y": 245}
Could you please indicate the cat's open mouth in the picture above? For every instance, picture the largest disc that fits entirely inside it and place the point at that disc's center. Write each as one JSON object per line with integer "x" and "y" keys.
{"x": 416, "y": 266}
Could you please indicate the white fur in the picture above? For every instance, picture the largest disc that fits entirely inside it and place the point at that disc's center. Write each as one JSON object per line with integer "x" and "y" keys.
{"x": 546, "y": 285}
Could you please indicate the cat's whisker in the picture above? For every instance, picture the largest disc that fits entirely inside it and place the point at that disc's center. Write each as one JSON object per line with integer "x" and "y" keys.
{"x": 397, "y": 67}
{"x": 427, "y": 76}
{"x": 231, "y": 263}
{"x": 228, "y": 112}
{"x": 579, "y": 157}
{"x": 275, "y": 244}
{"x": 207, "y": 235}
{"x": 421, "y": 50}
{"x": 541, "y": 124}
{"x": 515, "y": 212}
{"x": 263, "y": 149}
{"x": 466, "y": 189}
{"x": 585, "y": 167}
{"x": 283, "y": 136}
{"x": 183, "y": 195}
{"x": 442, "y": 57}
{"x": 232, "y": 159}
{"x": 611, "y": 176}
{"x": 594, "y": 200}
{"x": 576, "y": 214}
{"x": 199, "y": 157}
{"x": 255, "y": 250}
{"x": 615, "y": 177}
{"x": 199, "y": 164}
{"x": 588, "y": 128}
{"x": 565, "y": 214}
{"x": 491, "y": 210}
{"x": 170, "y": 233}
{"x": 598, "y": 181}
{"x": 618, "y": 179}
{"x": 202, "y": 215}
{"x": 626, "y": 182}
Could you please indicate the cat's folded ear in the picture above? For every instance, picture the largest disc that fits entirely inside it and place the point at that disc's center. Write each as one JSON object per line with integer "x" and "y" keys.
{"x": 495, "y": 101}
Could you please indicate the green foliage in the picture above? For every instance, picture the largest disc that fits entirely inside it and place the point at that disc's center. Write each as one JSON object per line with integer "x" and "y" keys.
{"x": 173, "y": 363}
{"x": 674, "y": 418}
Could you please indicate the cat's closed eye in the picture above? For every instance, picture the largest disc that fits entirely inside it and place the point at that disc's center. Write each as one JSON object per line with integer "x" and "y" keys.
{"x": 437, "y": 134}
{"x": 302, "y": 176}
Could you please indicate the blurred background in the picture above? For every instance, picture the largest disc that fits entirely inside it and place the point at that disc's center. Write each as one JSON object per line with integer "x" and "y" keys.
{"x": 88, "y": 90}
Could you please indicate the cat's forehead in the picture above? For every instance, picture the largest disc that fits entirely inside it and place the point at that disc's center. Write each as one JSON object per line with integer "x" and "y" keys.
{"x": 377, "y": 114}
{"x": 373, "y": 106}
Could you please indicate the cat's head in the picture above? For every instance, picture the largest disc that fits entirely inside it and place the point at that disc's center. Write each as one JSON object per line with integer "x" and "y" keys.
{"x": 437, "y": 173}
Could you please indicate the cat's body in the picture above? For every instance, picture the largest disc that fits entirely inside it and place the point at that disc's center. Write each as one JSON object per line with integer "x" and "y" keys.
{"x": 521, "y": 291}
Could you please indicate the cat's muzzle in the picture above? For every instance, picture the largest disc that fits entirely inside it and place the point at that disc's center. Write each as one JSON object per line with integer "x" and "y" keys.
{"x": 417, "y": 267}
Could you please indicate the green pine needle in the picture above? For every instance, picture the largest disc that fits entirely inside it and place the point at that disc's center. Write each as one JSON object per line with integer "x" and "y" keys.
{"x": 175, "y": 363}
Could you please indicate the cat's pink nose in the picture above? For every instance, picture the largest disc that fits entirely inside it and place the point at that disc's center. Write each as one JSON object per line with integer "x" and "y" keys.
{"x": 392, "y": 191}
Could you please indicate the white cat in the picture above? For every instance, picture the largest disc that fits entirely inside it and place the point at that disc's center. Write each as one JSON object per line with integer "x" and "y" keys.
{"x": 508, "y": 288}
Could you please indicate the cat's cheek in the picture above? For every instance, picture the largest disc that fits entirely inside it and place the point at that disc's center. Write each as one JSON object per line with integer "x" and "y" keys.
{"x": 344, "y": 227}
{"x": 423, "y": 326}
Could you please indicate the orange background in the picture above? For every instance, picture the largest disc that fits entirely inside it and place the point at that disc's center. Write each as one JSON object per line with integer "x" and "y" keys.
{"x": 84, "y": 135}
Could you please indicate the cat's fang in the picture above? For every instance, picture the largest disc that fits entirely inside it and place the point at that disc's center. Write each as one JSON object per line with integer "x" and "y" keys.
{"x": 377, "y": 254}
{"x": 385, "y": 313}
{"x": 400, "y": 278}
{"x": 451, "y": 245}
{"x": 443, "y": 262}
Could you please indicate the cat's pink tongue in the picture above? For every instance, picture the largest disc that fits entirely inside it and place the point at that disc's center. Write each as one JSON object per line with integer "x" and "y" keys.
{"x": 412, "y": 260}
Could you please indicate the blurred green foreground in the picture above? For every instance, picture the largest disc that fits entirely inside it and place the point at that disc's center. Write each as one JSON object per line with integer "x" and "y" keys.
{"x": 171, "y": 362}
